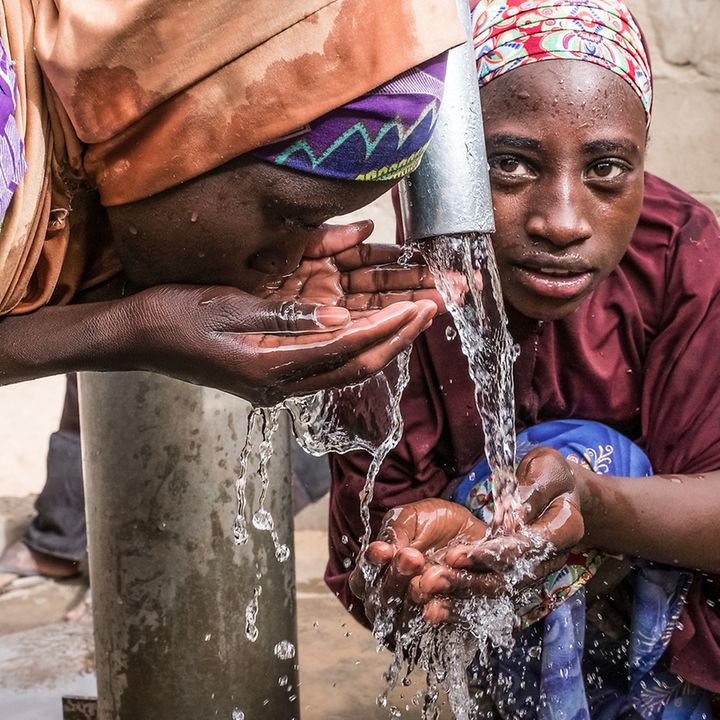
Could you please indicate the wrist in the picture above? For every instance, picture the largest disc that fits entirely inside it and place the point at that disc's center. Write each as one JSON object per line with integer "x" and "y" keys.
{"x": 590, "y": 494}
{"x": 56, "y": 340}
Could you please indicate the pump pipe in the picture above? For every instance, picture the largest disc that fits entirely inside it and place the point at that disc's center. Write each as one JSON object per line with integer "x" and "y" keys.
{"x": 169, "y": 585}
{"x": 449, "y": 193}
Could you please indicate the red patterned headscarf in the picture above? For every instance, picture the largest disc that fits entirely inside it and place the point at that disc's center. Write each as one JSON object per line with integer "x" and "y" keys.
{"x": 512, "y": 33}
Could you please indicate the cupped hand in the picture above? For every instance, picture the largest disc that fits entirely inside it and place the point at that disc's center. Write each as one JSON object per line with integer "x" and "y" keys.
{"x": 339, "y": 269}
{"x": 552, "y": 525}
{"x": 311, "y": 330}
{"x": 409, "y": 537}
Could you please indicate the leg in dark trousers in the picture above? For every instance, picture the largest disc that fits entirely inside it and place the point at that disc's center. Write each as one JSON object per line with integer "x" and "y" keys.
{"x": 55, "y": 541}
{"x": 58, "y": 529}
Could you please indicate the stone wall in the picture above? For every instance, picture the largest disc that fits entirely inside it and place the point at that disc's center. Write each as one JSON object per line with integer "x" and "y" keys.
{"x": 684, "y": 39}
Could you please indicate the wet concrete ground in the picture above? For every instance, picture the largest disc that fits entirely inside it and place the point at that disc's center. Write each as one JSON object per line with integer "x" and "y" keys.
{"x": 43, "y": 658}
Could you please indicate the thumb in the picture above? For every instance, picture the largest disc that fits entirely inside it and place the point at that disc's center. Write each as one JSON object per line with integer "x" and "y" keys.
{"x": 292, "y": 317}
{"x": 243, "y": 313}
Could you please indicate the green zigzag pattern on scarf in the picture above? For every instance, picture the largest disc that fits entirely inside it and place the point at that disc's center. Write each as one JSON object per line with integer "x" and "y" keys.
{"x": 370, "y": 144}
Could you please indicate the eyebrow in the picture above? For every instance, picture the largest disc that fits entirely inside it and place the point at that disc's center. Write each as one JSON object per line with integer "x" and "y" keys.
{"x": 609, "y": 146}
{"x": 515, "y": 141}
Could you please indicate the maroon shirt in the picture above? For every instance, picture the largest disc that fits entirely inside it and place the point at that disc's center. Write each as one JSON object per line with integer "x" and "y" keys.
{"x": 640, "y": 355}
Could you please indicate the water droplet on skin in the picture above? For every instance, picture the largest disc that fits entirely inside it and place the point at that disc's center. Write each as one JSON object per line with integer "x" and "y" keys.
{"x": 284, "y": 650}
{"x": 194, "y": 217}
{"x": 132, "y": 230}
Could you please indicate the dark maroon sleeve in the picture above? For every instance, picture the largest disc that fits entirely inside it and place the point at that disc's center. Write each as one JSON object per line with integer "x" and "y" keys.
{"x": 681, "y": 393}
{"x": 681, "y": 402}
{"x": 410, "y": 472}
{"x": 694, "y": 648}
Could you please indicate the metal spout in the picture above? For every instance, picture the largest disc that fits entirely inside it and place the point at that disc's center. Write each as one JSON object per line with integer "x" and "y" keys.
{"x": 449, "y": 193}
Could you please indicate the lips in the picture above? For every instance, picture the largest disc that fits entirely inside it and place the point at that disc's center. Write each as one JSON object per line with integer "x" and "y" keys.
{"x": 560, "y": 281}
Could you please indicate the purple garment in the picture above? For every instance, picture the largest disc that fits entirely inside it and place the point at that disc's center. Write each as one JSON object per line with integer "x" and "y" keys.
{"x": 12, "y": 155}
{"x": 379, "y": 136}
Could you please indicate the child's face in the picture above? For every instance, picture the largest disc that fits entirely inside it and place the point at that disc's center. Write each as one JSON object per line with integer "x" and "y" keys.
{"x": 566, "y": 146}
{"x": 245, "y": 225}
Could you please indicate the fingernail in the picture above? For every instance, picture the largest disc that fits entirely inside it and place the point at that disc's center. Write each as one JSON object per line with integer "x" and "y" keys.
{"x": 330, "y": 316}
{"x": 406, "y": 565}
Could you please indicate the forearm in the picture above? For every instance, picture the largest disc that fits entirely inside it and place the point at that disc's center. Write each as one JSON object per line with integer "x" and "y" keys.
{"x": 667, "y": 518}
{"x": 56, "y": 340}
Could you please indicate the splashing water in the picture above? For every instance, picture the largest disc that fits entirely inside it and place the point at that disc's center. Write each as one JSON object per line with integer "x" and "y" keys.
{"x": 365, "y": 416}
{"x": 263, "y": 422}
{"x": 466, "y": 276}
{"x": 251, "y": 613}
{"x": 240, "y": 531}
{"x": 284, "y": 650}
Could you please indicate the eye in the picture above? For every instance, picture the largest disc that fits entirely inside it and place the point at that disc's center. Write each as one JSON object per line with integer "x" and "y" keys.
{"x": 607, "y": 170}
{"x": 511, "y": 166}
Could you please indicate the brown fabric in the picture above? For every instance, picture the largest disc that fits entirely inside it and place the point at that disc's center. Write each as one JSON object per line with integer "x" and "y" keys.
{"x": 138, "y": 97}
{"x": 166, "y": 91}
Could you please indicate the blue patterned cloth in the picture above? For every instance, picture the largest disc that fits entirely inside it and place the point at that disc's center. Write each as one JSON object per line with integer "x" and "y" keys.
{"x": 566, "y": 668}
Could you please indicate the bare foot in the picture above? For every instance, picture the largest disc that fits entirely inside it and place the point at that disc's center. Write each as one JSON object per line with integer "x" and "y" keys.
{"x": 80, "y": 611}
{"x": 19, "y": 556}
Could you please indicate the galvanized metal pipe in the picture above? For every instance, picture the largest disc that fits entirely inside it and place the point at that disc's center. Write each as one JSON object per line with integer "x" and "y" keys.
{"x": 449, "y": 193}
{"x": 169, "y": 586}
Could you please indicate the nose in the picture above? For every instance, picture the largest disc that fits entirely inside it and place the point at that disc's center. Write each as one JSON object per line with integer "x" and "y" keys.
{"x": 558, "y": 214}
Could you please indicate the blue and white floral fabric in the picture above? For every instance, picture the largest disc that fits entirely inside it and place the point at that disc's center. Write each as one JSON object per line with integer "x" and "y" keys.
{"x": 564, "y": 668}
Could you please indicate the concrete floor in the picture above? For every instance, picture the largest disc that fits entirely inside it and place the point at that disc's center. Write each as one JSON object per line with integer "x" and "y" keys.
{"x": 43, "y": 658}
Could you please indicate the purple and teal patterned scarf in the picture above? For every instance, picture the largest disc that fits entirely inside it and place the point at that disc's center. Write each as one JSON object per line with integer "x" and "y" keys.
{"x": 379, "y": 136}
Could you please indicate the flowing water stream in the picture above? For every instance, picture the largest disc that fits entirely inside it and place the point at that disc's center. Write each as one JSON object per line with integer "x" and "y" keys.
{"x": 466, "y": 275}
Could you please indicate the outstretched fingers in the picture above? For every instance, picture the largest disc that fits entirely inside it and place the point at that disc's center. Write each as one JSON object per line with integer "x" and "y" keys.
{"x": 358, "y": 353}
{"x": 379, "y": 554}
{"x": 407, "y": 564}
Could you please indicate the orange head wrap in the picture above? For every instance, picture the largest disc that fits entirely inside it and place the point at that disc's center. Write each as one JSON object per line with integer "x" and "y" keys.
{"x": 132, "y": 98}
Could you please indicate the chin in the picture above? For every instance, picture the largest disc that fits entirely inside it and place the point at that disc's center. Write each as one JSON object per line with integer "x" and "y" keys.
{"x": 545, "y": 310}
